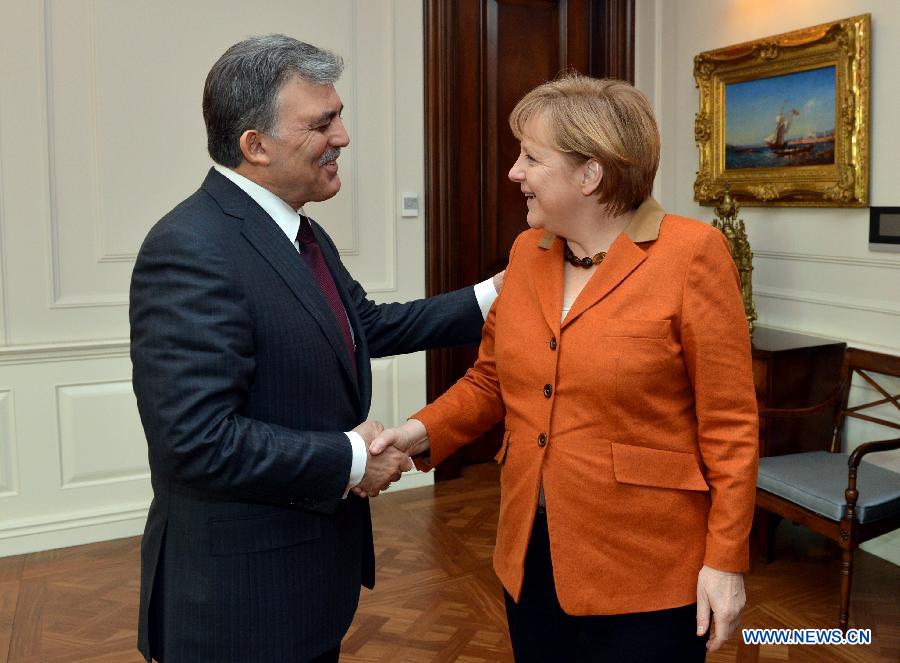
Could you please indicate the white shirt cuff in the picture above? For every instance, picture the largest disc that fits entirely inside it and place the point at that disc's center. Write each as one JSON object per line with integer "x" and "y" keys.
{"x": 485, "y": 293}
{"x": 360, "y": 454}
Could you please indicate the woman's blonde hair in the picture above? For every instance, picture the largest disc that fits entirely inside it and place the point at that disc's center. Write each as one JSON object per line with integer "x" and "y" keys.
{"x": 603, "y": 119}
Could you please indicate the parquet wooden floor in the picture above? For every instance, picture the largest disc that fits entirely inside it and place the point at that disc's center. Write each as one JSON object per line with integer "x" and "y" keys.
{"x": 437, "y": 599}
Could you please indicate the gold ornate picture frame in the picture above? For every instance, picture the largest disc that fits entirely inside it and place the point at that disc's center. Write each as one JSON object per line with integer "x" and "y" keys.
{"x": 785, "y": 119}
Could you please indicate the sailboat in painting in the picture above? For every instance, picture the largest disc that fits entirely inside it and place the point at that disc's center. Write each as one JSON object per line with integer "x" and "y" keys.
{"x": 776, "y": 141}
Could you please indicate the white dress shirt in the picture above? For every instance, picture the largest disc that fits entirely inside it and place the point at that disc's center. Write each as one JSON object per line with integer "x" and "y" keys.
{"x": 288, "y": 220}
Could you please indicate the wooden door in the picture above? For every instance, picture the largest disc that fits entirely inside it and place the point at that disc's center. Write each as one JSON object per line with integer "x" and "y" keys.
{"x": 481, "y": 57}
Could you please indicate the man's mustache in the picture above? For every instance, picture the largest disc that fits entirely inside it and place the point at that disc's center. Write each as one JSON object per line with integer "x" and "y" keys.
{"x": 331, "y": 155}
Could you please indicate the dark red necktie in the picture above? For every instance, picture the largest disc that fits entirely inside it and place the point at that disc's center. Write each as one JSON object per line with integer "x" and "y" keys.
{"x": 311, "y": 253}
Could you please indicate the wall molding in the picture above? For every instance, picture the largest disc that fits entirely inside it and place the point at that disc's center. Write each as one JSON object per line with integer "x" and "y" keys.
{"x": 392, "y": 242}
{"x": 89, "y": 518}
{"x": 837, "y": 301}
{"x": 117, "y": 257}
{"x": 51, "y": 155}
{"x": 877, "y": 263}
{"x": 9, "y": 466}
{"x": 77, "y": 351}
{"x": 82, "y": 301}
{"x": 71, "y": 475}
{"x": 354, "y": 249}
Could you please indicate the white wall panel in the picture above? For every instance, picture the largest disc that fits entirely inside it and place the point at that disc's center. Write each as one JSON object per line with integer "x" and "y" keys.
{"x": 100, "y": 436}
{"x": 9, "y": 470}
{"x": 75, "y": 424}
{"x": 82, "y": 144}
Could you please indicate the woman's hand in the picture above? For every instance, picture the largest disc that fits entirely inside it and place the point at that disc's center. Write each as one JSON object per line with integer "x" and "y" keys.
{"x": 723, "y": 593}
{"x": 410, "y": 438}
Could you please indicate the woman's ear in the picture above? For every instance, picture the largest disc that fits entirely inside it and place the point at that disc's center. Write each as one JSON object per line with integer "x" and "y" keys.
{"x": 592, "y": 175}
{"x": 253, "y": 148}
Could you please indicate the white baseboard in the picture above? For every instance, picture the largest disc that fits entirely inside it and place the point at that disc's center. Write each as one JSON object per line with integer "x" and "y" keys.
{"x": 886, "y": 546}
{"x": 33, "y": 535}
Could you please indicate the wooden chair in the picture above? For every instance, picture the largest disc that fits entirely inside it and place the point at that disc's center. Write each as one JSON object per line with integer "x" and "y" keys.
{"x": 830, "y": 492}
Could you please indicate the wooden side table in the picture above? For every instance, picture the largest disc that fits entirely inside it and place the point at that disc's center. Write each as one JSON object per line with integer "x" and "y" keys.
{"x": 793, "y": 370}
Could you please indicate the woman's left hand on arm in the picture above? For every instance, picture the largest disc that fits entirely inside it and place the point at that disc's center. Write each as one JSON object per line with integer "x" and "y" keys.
{"x": 722, "y": 593}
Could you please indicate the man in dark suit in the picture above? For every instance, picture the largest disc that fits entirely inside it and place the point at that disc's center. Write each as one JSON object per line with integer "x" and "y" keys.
{"x": 251, "y": 345}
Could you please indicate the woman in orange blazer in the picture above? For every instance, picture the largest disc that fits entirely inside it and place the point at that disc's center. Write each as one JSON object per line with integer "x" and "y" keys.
{"x": 618, "y": 355}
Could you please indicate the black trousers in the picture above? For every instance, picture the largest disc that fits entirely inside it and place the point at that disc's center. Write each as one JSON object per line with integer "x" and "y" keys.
{"x": 542, "y": 633}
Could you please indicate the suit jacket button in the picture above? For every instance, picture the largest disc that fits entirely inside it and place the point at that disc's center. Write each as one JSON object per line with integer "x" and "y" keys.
{"x": 553, "y": 343}
{"x": 548, "y": 390}
{"x": 542, "y": 440}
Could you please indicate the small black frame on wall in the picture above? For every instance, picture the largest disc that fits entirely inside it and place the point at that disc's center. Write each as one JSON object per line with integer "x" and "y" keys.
{"x": 884, "y": 226}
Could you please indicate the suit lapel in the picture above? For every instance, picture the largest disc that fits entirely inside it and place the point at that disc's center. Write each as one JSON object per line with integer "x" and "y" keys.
{"x": 548, "y": 283}
{"x": 622, "y": 259}
{"x": 267, "y": 238}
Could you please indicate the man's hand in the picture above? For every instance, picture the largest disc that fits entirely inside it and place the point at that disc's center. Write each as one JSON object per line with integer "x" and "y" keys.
{"x": 381, "y": 471}
{"x": 723, "y": 592}
{"x": 369, "y": 430}
{"x": 498, "y": 280}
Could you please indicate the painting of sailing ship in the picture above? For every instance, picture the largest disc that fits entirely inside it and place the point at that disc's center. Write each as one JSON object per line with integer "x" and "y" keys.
{"x": 781, "y": 121}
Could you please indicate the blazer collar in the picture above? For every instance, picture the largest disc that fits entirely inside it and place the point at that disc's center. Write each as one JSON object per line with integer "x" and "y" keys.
{"x": 274, "y": 246}
{"x": 623, "y": 257}
{"x": 643, "y": 227}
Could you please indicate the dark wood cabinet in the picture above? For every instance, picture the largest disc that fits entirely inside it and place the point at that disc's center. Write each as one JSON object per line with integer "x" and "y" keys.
{"x": 792, "y": 370}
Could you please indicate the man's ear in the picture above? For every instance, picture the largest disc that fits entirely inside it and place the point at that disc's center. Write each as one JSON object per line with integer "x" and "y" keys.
{"x": 592, "y": 175}
{"x": 253, "y": 148}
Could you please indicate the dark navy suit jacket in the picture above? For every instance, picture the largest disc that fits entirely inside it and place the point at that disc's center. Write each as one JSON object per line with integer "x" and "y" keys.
{"x": 244, "y": 386}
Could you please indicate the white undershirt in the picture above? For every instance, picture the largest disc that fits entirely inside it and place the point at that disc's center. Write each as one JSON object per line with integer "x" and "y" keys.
{"x": 288, "y": 220}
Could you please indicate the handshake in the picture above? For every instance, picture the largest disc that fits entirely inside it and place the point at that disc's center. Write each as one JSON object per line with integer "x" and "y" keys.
{"x": 390, "y": 452}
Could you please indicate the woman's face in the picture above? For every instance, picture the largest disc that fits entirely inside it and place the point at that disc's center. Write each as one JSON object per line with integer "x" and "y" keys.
{"x": 552, "y": 184}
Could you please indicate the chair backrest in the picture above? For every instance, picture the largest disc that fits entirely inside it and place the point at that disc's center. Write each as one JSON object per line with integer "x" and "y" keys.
{"x": 870, "y": 367}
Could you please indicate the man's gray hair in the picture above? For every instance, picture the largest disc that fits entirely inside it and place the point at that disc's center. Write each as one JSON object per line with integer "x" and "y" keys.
{"x": 241, "y": 90}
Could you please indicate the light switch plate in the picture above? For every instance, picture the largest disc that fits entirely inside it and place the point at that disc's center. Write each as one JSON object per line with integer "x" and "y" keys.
{"x": 409, "y": 204}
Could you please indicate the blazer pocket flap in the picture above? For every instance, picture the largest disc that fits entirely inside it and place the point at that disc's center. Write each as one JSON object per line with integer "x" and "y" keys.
{"x": 504, "y": 447}
{"x": 659, "y": 468}
{"x": 235, "y": 536}
{"x": 634, "y": 328}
